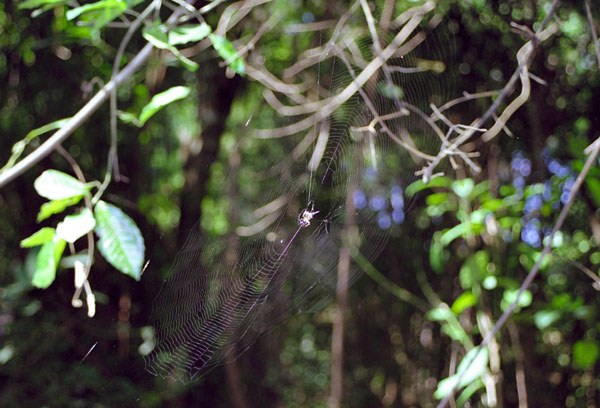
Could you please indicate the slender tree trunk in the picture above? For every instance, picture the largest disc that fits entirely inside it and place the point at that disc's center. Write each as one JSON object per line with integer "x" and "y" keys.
{"x": 337, "y": 337}
{"x": 216, "y": 96}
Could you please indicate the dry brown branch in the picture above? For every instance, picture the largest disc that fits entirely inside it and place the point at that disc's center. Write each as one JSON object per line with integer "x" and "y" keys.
{"x": 524, "y": 57}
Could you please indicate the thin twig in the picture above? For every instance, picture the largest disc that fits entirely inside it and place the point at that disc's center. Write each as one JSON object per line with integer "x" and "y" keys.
{"x": 113, "y": 158}
{"x": 90, "y": 234}
{"x": 524, "y": 58}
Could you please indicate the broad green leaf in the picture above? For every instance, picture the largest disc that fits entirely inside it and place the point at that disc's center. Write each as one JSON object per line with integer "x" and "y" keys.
{"x": 585, "y": 353}
{"x": 188, "y": 33}
{"x": 463, "y": 188}
{"x": 419, "y": 185}
{"x": 156, "y": 36}
{"x": 106, "y": 6}
{"x": 47, "y": 261}
{"x": 19, "y": 147}
{"x": 98, "y": 14}
{"x": 161, "y": 100}
{"x": 56, "y": 206}
{"x": 464, "y": 301}
{"x": 121, "y": 242}
{"x": 38, "y": 238}
{"x": 228, "y": 52}
{"x": 75, "y": 226}
{"x": 56, "y": 185}
{"x": 470, "y": 369}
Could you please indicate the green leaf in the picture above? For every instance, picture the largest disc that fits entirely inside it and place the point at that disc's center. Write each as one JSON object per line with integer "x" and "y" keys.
{"x": 464, "y": 301}
{"x": 457, "y": 231}
{"x": 493, "y": 205}
{"x": 19, "y": 147}
{"x": 157, "y": 36}
{"x": 56, "y": 206}
{"x": 161, "y": 100}
{"x": 47, "y": 261}
{"x": 436, "y": 198}
{"x": 463, "y": 188}
{"x": 474, "y": 269}
{"x": 436, "y": 255}
{"x": 545, "y": 318}
{"x": 56, "y": 185}
{"x": 228, "y": 52}
{"x": 38, "y": 238}
{"x": 74, "y": 227}
{"x": 510, "y": 295}
{"x": 419, "y": 185}
{"x": 472, "y": 366}
{"x": 585, "y": 353}
{"x": 121, "y": 242}
{"x": 188, "y": 33}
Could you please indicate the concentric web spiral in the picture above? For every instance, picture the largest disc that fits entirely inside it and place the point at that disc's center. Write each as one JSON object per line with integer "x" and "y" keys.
{"x": 348, "y": 144}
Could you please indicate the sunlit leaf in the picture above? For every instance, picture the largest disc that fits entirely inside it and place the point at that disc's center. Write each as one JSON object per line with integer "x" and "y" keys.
{"x": 510, "y": 295}
{"x": 453, "y": 233}
{"x": 545, "y": 318}
{"x": 121, "y": 242}
{"x": 463, "y": 188}
{"x": 585, "y": 353}
{"x": 471, "y": 367}
{"x": 128, "y": 117}
{"x": 437, "y": 198}
{"x": 56, "y": 185}
{"x": 161, "y": 100}
{"x": 47, "y": 262}
{"x": 464, "y": 301}
{"x": 56, "y": 206}
{"x": 228, "y": 52}
{"x": 157, "y": 36}
{"x": 419, "y": 185}
{"x": 75, "y": 226}
{"x": 38, "y": 238}
{"x": 188, "y": 33}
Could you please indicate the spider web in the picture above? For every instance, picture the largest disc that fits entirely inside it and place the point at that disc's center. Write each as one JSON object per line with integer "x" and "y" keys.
{"x": 224, "y": 292}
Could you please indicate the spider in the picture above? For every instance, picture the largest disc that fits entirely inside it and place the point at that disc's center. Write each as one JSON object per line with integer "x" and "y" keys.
{"x": 305, "y": 216}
